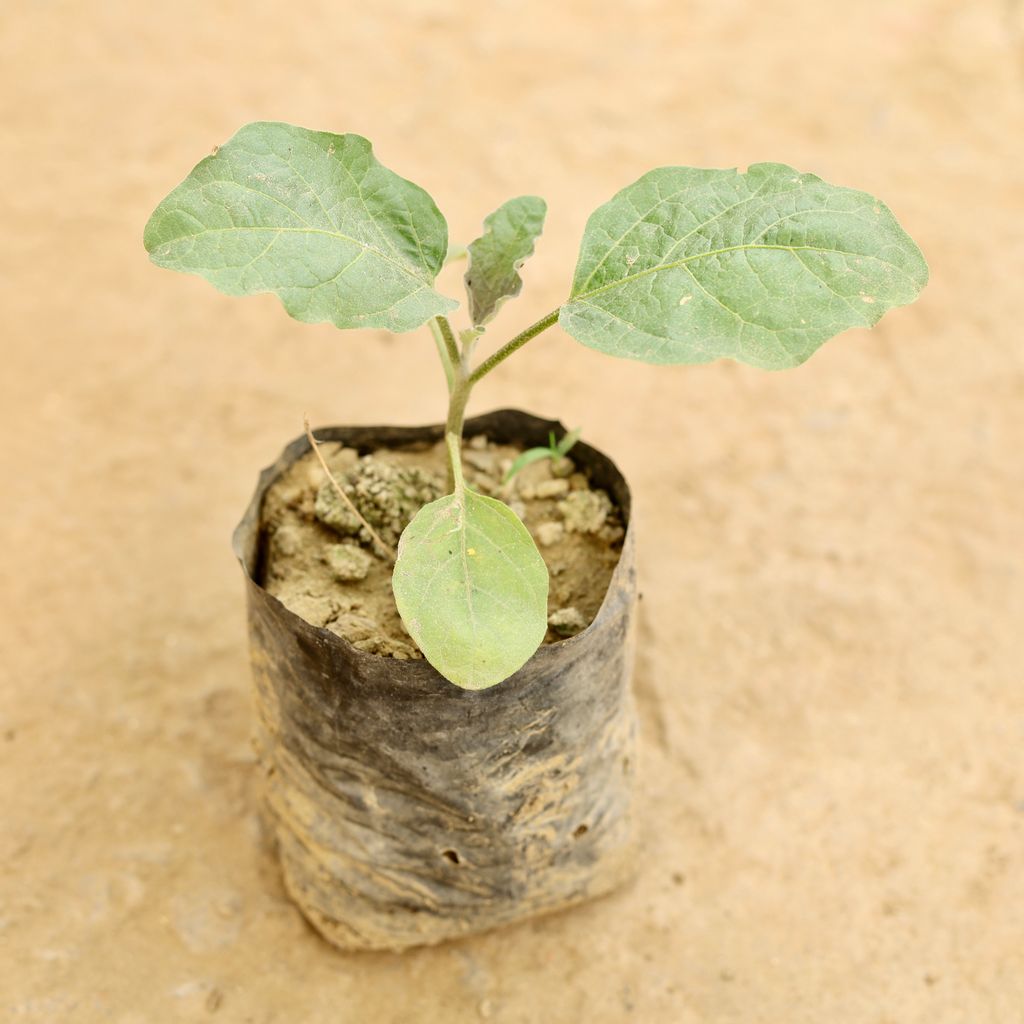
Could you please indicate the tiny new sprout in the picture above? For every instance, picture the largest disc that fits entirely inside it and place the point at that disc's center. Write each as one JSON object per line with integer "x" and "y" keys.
{"x": 555, "y": 450}
{"x": 683, "y": 266}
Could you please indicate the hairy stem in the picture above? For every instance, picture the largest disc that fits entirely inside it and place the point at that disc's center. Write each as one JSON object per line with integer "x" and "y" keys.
{"x": 513, "y": 346}
{"x": 448, "y": 337}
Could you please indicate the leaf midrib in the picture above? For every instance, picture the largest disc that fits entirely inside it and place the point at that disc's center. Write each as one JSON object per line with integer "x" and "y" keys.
{"x": 462, "y": 505}
{"x": 306, "y": 231}
{"x": 746, "y": 247}
{"x": 672, "y": 197}
{"x": 460, "y": 500}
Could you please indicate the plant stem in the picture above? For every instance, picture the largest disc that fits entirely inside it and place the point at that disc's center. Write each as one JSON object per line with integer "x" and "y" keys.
{"x": 456, "y": 482}
{"x": 442, "y": 351}
{"x": 453, "y": 427}
{"x": 461, "y": 381}
{"x": 513, "y": 346}
{"x": 448, "y": 336}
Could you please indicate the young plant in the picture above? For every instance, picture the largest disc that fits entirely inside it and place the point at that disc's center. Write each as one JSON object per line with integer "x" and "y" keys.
{"x": 554, "y": 451}
{"x": 683, "y": 266}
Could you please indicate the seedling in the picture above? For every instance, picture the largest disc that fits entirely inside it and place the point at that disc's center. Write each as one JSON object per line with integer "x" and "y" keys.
{"x": 683, "y": 266}
{"x": 554, "y": 451}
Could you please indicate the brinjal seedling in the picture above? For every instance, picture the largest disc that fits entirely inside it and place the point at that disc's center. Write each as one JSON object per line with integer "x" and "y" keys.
{"x": 555, "y": 450}
{"x": 683, "y": 266}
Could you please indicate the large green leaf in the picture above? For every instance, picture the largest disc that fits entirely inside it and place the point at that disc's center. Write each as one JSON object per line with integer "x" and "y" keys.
{"x": 495, "y": 257}
{"x": 312, "y": 217}
{"x": 471, "y": 588}
{"x": 687, "y": 265}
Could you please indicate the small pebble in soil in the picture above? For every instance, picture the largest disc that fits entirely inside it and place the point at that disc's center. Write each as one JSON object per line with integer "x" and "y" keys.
{"x": 484, "y": 484}
{"x": 611, "y": 533}
{"x": 486, "y": 462}
{"x": 552, "y": 489}
{"x": 347, "y": 562}
{"x": 567, "y": 622}
{"x": 315, "y": 609}
{"x": 338, "y": 458}
{"x": 293, "y": 496}
{"x": 550, "y": 533}
{"x": 285, "y": 541}
{"x": 578, "y": 482}
{"x": 585, "y": 511}
{"x": 387, "y": 648}
{"x": 562, "y": 467}
{"x": 363, "y": 634}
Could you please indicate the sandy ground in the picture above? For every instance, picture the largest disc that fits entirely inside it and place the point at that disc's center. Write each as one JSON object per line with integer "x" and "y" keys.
{"x": 831, "y": 677}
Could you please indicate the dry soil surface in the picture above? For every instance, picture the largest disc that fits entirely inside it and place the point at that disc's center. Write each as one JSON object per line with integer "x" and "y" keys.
{"x": 830, "y": 678}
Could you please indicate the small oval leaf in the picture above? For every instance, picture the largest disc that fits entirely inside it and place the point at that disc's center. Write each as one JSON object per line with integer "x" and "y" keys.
{"x": 472, "y": 589}
{"x": 688, "y": 265}
{"x": 312, "y": 217}
{"x": 492, "y": 276}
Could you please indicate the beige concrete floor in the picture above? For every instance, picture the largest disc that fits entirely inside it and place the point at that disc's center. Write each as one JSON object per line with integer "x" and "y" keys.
{"x": 831, "y": 675}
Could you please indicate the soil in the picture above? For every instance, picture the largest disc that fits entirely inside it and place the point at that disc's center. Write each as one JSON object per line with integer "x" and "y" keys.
{"x": 323, "y": 565}
{"x": 830, "y": 777}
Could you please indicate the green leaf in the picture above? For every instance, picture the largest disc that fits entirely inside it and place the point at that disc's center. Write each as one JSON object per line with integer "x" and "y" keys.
{"x": 526, "y": 458}
{"x": 471, "y": 588}
{"x": 492, "y": 275}
{"x": 312, "y": 217}
{"x": 687, "y": 265}
{"x": 568, "y": 441}
{"x": 554, "y": 450}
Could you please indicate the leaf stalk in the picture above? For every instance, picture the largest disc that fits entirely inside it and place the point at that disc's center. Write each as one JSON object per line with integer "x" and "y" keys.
{"x": 451, "y": 347}
{"x": 513, "y": 346}
{"x": 442, "y": 351}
